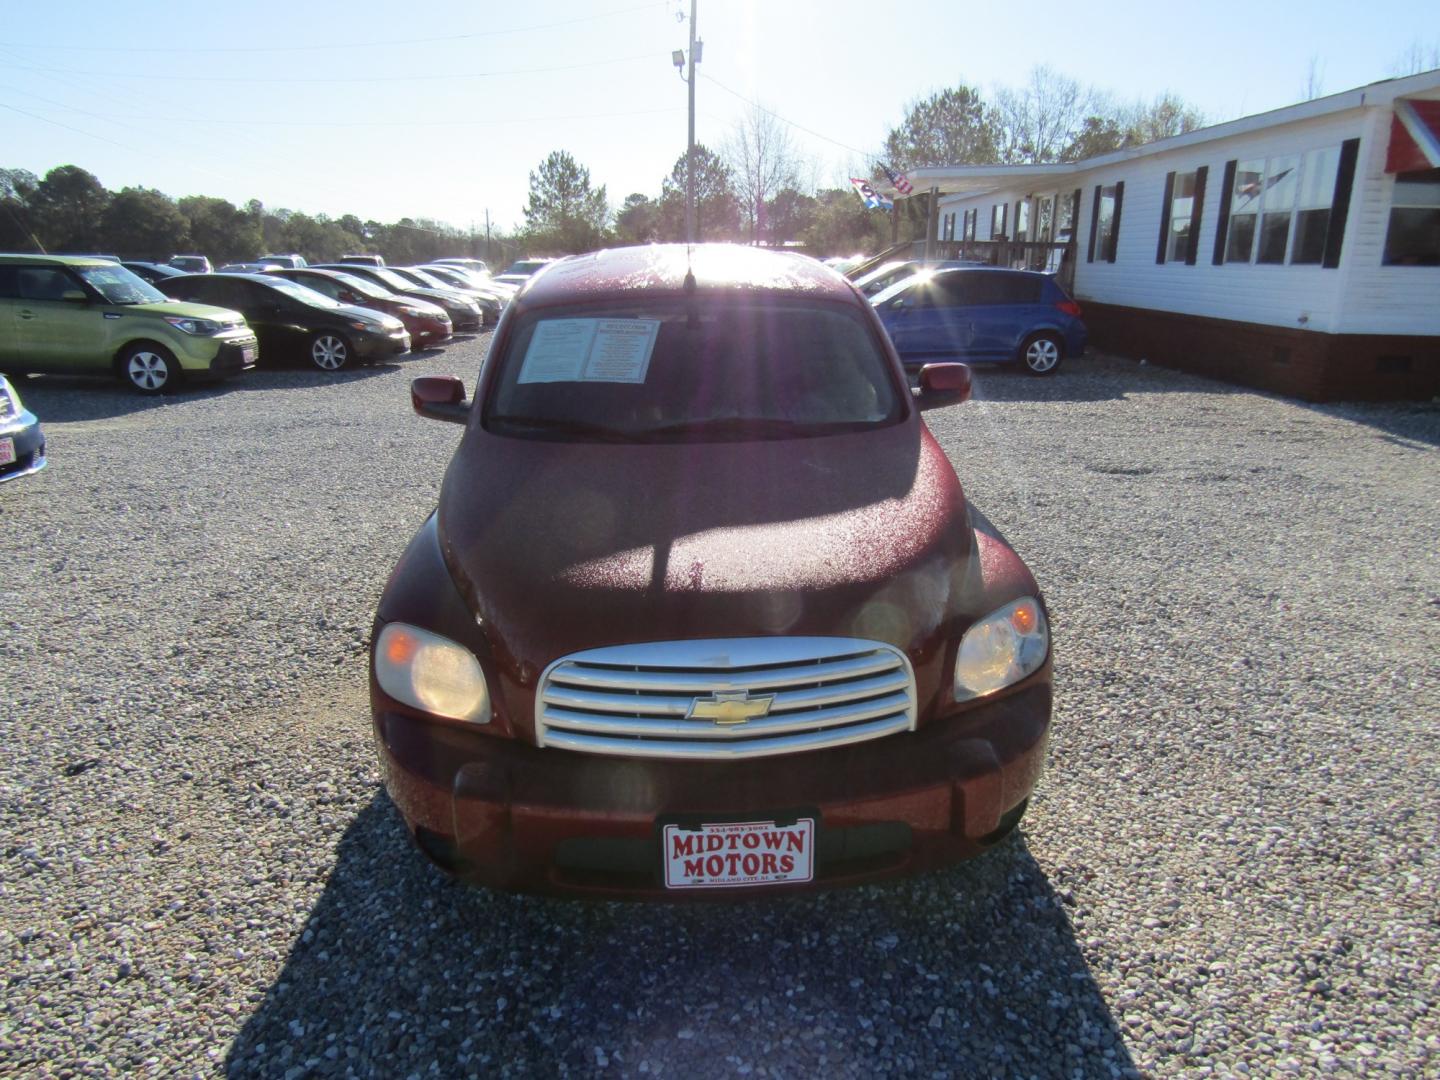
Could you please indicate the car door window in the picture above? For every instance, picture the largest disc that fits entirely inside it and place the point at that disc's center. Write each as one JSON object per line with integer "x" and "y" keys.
{"x": 325, "y": 286}
{"x": 951, "y": 291}
{"x": 9, "y": 283}
{"x": 44, "y": 283}
{"x": 994, "y": 288}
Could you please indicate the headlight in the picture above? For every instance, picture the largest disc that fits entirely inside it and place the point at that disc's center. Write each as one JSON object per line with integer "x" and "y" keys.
{"x": 369, "y": 328}
{"x": 413, "y": 312}
{"x": 9, "y": 401}
{"x": 431, "y": 673}
{"x": 194, "y": 326}
{"x": 1000, "y": 649}
{"x": 472, "y": 307}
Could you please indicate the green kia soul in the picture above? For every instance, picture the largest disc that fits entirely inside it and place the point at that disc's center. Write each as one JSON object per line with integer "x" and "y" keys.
{"x": 68, "y": 314}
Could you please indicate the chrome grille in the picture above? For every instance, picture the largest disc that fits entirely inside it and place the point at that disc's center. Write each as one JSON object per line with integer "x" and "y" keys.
{"x": 640, "y": 700}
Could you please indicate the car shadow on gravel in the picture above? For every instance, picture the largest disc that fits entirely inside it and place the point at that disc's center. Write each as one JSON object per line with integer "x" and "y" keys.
{"x": 971, "y": 971}
{"x": 59, "y": 399}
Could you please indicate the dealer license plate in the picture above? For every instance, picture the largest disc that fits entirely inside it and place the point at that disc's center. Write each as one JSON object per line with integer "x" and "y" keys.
{"x": 736, "y": 854}
{"x": 7, "y": 451}
{"x": 247, "y": 354}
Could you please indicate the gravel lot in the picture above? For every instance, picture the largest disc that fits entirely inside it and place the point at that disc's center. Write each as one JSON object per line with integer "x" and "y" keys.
{"x": 1230, "y": 867}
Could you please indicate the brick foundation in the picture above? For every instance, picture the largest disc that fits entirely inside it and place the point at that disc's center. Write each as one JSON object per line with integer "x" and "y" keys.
{"x": 1298, "y": 363}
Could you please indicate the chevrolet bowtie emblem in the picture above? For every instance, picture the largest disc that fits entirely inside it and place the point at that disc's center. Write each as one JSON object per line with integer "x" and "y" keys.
{"x": 730, "y": 707}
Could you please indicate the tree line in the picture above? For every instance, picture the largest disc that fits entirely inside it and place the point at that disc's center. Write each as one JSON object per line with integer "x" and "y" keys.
{"x": 753, "y": 187}
{"x": 70, "y": 210}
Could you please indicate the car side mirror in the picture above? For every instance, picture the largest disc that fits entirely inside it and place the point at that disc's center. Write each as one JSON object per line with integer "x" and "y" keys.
{"x": 74, "y": 296}
{"x": 943, "y": 384}
{"x": 440, "y": 397}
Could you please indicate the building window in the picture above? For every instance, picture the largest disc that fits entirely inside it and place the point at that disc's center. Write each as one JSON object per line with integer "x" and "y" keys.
{"x": 1022, "y": 220}
{"x": 1105, "y": 222}
{"x": 997, "y": 221}
{"x": 1312, "y": 208}
{"x": 1270, "y": 196}
{"x": 1182, "y": 208}
{"x": 1277, "y": 205}
{"x": 947, "y": 227}
{"x": 1413, "y": 238}
{"x": 971, "y": 217}
{"x": 1044, "y": 219}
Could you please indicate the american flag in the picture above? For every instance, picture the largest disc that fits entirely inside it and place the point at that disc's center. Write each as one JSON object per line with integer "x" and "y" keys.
{"x": 903, "y": 186}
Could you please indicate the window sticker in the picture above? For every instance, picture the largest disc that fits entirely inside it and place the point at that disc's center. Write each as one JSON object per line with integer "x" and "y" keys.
{"x": 590, "y": 350}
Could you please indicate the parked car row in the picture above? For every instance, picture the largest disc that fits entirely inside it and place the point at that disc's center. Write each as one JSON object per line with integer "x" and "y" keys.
{"x": 154, "y": 325}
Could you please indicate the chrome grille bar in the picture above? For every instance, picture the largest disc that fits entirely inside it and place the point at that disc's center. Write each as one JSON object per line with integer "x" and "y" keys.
{"x": 792, "y": 694}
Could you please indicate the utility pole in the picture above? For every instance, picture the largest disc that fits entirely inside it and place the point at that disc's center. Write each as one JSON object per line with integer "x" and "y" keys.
{"x": 690, "y": 147}
{"x": 680, "y": 59}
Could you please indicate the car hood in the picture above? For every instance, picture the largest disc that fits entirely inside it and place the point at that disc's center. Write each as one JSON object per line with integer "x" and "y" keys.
{"x": 436, "y": 295}
{"x": 379, "y": 320}
{"x": 564, "y": 546}
{"x": 187, "y": 310}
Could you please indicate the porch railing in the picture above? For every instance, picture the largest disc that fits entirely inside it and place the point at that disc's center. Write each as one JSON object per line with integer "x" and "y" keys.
{"x": 1051, "y": 258}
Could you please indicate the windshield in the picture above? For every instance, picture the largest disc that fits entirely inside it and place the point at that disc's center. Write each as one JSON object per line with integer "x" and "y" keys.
{"x": 430, "y": 280}
{"x": 304, "y": 295}
{"x": 886, "y": 296}
{"x": 355, "y": 283}
{"x": 710, "y": 369}
{"x": 394, "y": 280}
{"x": 120, "y": 286}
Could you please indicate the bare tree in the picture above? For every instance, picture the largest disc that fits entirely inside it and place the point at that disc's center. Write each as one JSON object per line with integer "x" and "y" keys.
{"x": 1038, "y": 120}
{"x": 1419, "y": 57}
{"x": 1314, "y": 79}
{"x": 763, "y": 161}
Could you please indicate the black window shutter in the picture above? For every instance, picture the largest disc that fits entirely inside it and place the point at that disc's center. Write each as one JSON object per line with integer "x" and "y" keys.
{"x": 1222, "y": 221}
{"x": 1094, "y": 224}
{"x": 1197, "y": 211}
{"x": 1114, "y": 244}
{"x": 1340, "y": 206}
{"x": 1165, "y": 216}
{"x": 1005, "y": 220}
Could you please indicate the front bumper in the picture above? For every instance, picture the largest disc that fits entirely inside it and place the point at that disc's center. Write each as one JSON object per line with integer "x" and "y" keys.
{"x": 29, "y": 438}
{"x": 230, "y": 358}
{"x": 513, "y": 816}
{"x": 369, "y": 345}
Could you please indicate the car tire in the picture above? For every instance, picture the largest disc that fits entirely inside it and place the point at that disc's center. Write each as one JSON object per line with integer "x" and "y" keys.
{"x": 1041, "y": 354}
{"x": 148, "y": 368}
{"x": 330, "y": 351}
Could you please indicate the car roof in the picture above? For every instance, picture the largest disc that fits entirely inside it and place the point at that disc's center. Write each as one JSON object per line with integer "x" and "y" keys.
{"x": 661, "y": 268}
{"x": 57, "y": 260}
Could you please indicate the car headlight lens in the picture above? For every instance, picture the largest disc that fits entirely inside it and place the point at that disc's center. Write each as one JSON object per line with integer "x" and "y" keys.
{"x": 369, "y": 328}
{"x": 193, "y": 326}
{"x": 431, "y": 673}
{"x": 413, "y": 312}
{"x": 1000, "y": 649}
{"x": 9, "y": 401}
{"x": 472, "y": 307}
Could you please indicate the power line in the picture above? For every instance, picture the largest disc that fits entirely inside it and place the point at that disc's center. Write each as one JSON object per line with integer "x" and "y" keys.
{"x": 254, "y": 80}
{"x": 787, "y": 120}
{"x": 187, "y": 49}
{"x": 332, "y": 123}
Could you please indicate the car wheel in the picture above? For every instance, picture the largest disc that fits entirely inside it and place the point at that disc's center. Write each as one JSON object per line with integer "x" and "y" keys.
{"x": 329, "y": 351}
{"x": 150, "y": 369}
{"x": 1041, "y": 354}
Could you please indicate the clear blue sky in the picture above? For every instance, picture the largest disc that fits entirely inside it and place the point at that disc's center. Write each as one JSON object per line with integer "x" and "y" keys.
{"x": 337, "y": 107}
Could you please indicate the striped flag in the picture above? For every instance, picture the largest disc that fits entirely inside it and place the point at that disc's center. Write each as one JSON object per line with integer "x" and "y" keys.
{"x": 902, "y": 185}
{"x": 869, "y": 196}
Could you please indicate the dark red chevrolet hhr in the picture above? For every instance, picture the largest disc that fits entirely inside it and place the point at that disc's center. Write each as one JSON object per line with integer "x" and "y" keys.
{"x": 703, "y": 608}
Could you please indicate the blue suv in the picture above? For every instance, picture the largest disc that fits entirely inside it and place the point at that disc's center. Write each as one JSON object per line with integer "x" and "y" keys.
{"x": 982, "y": 315}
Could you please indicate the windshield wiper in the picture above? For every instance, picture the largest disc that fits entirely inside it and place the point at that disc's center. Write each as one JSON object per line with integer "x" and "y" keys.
{"x": 750, "y": 425}
{"x": 567, "y": 427}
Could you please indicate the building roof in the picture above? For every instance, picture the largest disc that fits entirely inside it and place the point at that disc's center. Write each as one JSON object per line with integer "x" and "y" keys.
{"x": 974, "y": 179}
